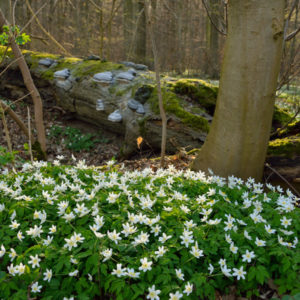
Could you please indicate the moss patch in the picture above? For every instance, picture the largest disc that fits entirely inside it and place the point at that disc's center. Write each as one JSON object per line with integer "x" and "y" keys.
{"x": 280, "y": 117}
{"x": 287, "y": 147}
{"x": 198, "y": 90}
{"x": 172, "y": 105}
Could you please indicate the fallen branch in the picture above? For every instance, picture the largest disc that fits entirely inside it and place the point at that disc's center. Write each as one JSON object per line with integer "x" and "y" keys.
{"x": 279, "y": 175}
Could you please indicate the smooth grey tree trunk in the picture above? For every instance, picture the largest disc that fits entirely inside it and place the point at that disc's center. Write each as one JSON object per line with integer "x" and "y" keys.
{"x": 238, "y": 139}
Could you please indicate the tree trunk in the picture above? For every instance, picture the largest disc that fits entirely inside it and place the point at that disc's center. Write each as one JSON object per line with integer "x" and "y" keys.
{"x": 141, "y": 33}
{"x": 238, "y": 138}
{"x": 28, "y": 81}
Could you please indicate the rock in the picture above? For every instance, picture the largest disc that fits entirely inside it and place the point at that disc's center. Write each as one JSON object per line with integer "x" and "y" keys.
{"x": 141, "y": 67}
{"x": 131, "y": 64}
{"x": 125, "y": 75}
{"x": 99, "y": 105}
{"x": 133, "y": 104}
{"x": 62, "y": 74}
{"x": 132, "y": 71}
{"x": 47, "y": 62}
{"x": 143, "y": 93}
{"x": 103, "y": 77}
{"x": 64, "y": 84}
{"x": 93, "y": 57}
{"x": 115, "y": 116}
{"x": 140, "y": 109}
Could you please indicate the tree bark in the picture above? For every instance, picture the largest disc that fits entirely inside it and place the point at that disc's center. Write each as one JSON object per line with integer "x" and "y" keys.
{"x": 28, "y": 81}
{"x": 238, "y": 138}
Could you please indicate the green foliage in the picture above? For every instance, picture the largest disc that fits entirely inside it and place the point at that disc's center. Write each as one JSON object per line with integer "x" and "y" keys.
{"x": 74, "y": 139}
{"x": 69, "y": 219}
{"x": 6, "y": 157}
{"x": 20, "y": 39}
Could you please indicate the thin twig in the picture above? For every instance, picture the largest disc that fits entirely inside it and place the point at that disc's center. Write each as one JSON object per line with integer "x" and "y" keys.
{"x": 29, "y": 133}
{"x": 211, "y": 20}
{"x": 18, "y": 100}
{"x": 4, "y": 55}
{"x": 287, "y": 123}
{"x": 292, "y": 34}
{"x": 7, "y": 136}
{"x": 279, "y": 175}
{"x": 33, "y": 16}
{"x": 7, "y": 67}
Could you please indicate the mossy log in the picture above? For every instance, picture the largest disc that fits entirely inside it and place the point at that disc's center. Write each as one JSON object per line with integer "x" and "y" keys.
{"x": 105, "y": 94}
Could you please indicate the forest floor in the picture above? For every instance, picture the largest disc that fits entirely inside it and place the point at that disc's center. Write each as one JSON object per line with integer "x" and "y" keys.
{"x": 69, "y": 137}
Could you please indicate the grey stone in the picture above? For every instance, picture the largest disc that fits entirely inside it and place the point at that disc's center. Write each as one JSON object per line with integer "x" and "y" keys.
{"x": 103, "y": 76}
{"x": 115, "y": 116}
{"x": 132, "y": 71}
{"x": 62, "y": 74}
{"x": 129, "y": 64}
{"x": 64, "y": 84}
{"x": 93, "y": 57}
{"x": 99, "y": 104}
{"x": 141, "y": 67}
{"x": 133, "y": 104}
{"x": 47, "y": 62}
{"x": 140, "y": 109}
{"x": 125, "y": 75}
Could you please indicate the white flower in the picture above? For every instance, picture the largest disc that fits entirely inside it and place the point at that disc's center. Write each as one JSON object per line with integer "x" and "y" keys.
{"x": 248, "y": 256}
{"x": 12, "y": 270}
{"x": 175, "y": 296}
{"x": 233, "y": 248}
{"x": 36, "y": 288}
{"x": 156, "y": 230}
{"x": 160, "y": 252}
{"x": 260, "y": 243}
{"x": 52, "y": 229}
{"x": 146, "y": 265}
{"x": 128, "y": 229}
{"x": 226, "y": 271}
{"x": 187, "y": 238}
{"x": 228, "y": 238}
{"x": 196, "y": 252}
{"x": 34, "y": 232}
{"x": 14, "y": 224}
{"x": 153, "y": 293}
{"x": 20, "y": 236}
{"x": 2, "y": 251}
{"x": 211, "y": 268}
{"x": 269, "y": 229}
{"x": 179, "y": 274}
{"x": 12, "y": 254}
{"x": 114, "y": 236}
{"x": 143, "y": 238}
{"x": 2, "y": 207}
{"x": 48, "y": 275}
{"x": 74, "y": 261}
{"x": 74, "y": 273}
{"x": 285, "y": 222}
{"x": 20, "y": 269}
{"x": 48, "y": 241}
{"x": 107, "y": 253}
{"x": 188, "y": 289}
{"x": 239, "y": 273}
{"x": 90, "y": 277}
{"x": 164, "y": 238}
{"x": 131, "y": 273}
{"x": 119, "y": 271}
{"x": 229, "y": 225}
{"x": 222, "y": 262}
{"x": 246, "y": 235}
{"x": 35, "y": 261}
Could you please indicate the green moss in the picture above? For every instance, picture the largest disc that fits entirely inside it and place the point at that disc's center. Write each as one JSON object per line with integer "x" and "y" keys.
{"x": 288, "y": 146}
{"x": 198, "y": 90}
{"x": 290, "y": 129}
{"x": 280, "y": 116}
{"x": 172, "y": 105}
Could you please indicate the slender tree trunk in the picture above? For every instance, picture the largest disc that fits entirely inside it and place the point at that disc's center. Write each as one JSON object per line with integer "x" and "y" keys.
{"x": 238, "y": 138}
{"x": 159, "y": 92}
{"x": 141, "y": 33}
{"x": 28, "y": 81}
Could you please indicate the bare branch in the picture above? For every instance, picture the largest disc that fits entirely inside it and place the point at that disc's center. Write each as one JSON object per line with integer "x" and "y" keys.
{"x": 292, "y": 35}
{"x": 10, "y": 64}
{"x": 211, "y": 20}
